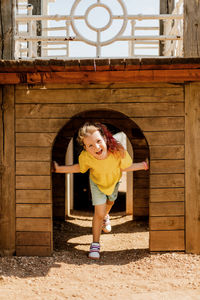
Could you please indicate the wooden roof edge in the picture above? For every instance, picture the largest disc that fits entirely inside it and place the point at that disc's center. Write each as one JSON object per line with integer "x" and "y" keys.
{"x": 98, "y": 64}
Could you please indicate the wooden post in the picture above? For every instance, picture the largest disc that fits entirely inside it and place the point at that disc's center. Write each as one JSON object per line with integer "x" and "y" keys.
{"x": 191, "y": 36}
{"x": 7, "y": 172}
{"x": 166, "y": 7}
{"x": 37, "y": 10}
{"x": 191, "y": 47}
{"x": 192, "y": 167}
{"x": 7, "y": 21}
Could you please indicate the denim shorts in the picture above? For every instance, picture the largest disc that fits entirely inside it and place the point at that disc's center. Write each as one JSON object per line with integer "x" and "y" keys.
{"x": 99, "y": 197}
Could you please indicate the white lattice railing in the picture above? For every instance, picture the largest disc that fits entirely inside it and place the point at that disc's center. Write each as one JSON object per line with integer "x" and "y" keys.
{"x": 125, "y": 32}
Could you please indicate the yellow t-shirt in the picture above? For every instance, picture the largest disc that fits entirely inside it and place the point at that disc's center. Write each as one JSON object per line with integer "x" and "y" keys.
{"x": 104, "y": 172}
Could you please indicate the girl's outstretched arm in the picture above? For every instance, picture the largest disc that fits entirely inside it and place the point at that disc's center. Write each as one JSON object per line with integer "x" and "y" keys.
{"x": 65, "y": 169}
{"x": 144, "y": 165}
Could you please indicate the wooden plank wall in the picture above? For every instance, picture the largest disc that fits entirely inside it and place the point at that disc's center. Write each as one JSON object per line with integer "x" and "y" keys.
{"x": 41, "y": 111}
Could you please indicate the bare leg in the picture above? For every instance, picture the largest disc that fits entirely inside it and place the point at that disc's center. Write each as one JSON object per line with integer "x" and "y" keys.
{"x": 109, "y": 205}
{"x": 99, "y": 214}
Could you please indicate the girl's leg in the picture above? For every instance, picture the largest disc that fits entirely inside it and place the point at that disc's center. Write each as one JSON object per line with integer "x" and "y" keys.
{"x": 106, "y": 226}
{"x": 109, "y": 205}
{"x": 99, "y": 214}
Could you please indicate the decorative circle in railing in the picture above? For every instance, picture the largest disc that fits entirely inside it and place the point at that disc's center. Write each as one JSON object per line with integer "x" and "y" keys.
{"x": 102, "y": 25}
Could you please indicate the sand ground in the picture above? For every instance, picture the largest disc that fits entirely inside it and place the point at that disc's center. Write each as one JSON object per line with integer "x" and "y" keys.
{"x": 126, "y": 270}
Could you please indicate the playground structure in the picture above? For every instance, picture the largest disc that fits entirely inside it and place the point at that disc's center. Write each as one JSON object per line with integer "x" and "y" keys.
{"x": 154, "y": 101}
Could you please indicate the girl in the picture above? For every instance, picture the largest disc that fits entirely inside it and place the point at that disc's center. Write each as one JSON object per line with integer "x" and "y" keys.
{"x": 106, "y": 159}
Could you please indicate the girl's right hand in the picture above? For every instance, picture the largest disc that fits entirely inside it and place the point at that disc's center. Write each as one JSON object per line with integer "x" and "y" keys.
{"x": 54, "y": 166}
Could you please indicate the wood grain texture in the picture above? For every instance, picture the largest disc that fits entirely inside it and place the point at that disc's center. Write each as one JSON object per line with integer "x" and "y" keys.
{"x": 165, "y": 209}
{"x": 167, "y": 223}
{"x": 33, "y": 153}
{"x": 33, "y": 210}
{"x": 167, "y": 152}
{"x": 160, "y": 123}
{"x": 34, "y": 139}
{"x": 165, "y": 138}
{"x": 33, "y": 251}
{"x": 7, "y": 171}
{"x": 33, "y": 168}
{"x": 192, "y": 163}
{"x": 33, "y": 196}
{"x": 167, "y": 180}
{"x": 115, "y": 85}
{"x": 33, "y": 238}
{"x": 166, "y": 7}
{"x": 100, "y": 95}
{"x": 7, "y": 20}
{"x": 191, "y": 27}
{"x": 167, "y": 240}
{"x": 40, "y": 125}
{"x": 167, "y": 166}
{"x": 166, "y": 195}
{"x": 33, "y": 182}
{"x": 33, "y": 224}
{"x": 83, "y": 77}
{"x": 53, "y": 111}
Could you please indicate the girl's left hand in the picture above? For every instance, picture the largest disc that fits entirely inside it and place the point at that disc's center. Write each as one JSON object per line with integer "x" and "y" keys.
{"x": 146, "y": 164}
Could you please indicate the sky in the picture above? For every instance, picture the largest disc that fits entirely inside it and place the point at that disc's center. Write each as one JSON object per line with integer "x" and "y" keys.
{"x": 99, "y": 17}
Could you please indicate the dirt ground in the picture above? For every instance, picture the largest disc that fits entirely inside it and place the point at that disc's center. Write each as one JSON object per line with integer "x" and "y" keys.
{"x": 126, "y": 269}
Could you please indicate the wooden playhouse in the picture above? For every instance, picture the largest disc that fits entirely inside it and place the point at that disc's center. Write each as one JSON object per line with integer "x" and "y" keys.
{"x": 154, "y": 101}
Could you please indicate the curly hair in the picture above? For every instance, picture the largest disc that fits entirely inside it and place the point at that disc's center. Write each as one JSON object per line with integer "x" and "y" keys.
{"x": 113, "y": 145}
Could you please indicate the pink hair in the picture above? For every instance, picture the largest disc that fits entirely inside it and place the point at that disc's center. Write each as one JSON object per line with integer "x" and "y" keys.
{"x": 113, "y": 145}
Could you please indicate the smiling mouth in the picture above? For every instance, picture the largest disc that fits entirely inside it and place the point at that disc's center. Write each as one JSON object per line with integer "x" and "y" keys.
{"x": 99, "y": 152}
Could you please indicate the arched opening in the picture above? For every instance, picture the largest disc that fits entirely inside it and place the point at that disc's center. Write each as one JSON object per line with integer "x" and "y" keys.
{"x": 138, "y": 182}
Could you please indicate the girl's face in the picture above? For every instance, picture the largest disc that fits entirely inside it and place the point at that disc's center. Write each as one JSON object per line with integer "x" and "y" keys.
{"x": 95, "y": 144}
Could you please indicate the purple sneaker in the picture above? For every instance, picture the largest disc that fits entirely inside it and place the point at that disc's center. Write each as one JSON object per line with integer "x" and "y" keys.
{"x": 94, "y": 251}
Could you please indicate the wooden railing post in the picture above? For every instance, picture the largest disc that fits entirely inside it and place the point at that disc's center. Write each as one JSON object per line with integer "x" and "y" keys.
{"x": 191, "y": 37}
{"x": 166, "y": 7}
{"x": 7, "y": 25}
{"x": 37, "y": 10}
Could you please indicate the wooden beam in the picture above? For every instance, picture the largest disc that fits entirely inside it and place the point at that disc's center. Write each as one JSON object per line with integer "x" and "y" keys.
{"x": 192, "y": 163}
{"x": 7, "y": 26}
{"x": 7, "y": 176}
{"x": 191, "y": 36}
{"x": 102, "y": 77}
